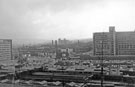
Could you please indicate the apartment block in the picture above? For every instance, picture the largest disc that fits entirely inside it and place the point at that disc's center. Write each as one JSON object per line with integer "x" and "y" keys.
{"x": 114, "y": 43}
{"x": 5, "y": 49}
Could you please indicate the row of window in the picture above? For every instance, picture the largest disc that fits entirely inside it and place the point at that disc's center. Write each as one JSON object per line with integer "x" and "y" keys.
{"x": 126, "y": 52}
{"x": 6, "y": 56}
{"x": 5, "y": 50}
{"x": 103, "y": 46}
{"x": 122, "y": 46}
{"x": 126, "y": 46}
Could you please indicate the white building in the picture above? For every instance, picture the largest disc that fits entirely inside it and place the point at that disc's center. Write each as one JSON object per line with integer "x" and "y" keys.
{"x": 5, "y": 49}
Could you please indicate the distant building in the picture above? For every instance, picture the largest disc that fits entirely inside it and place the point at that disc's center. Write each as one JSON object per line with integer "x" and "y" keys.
{"x": 63, "y": 42}
{"x": 5, "y": 49}
{"x": 15, "y": 53}
{"x": 114, "y": 43}
{"x": 67, "y": 50}
{"x": 36, "y": 51}
{"x": 81, "y": 49}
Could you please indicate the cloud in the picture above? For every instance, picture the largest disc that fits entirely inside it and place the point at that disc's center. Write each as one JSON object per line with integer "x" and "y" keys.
{"x": 51, "y": 19}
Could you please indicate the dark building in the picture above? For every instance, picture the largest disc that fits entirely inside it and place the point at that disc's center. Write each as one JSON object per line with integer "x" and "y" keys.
{"x": 114, "y": 43}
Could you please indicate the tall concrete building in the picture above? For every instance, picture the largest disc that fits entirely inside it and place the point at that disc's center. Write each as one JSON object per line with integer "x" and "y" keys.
{"x": 114, "y": 43}
{"x": 5, "y": 49}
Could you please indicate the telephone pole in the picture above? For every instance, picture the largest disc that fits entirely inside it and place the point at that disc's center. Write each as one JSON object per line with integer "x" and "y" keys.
{"x": 102, "y": 55}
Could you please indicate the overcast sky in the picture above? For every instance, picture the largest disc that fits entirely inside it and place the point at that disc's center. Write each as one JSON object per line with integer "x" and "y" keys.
{"x": 71, "y": 19}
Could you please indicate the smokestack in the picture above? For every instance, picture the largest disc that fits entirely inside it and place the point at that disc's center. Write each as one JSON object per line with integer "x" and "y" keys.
{"x": 67, "y": 50}
{"x": 78, "y": 42}
{"x": 52, "y": 42}
{"x": 56, "y": 48}
{"x": 56, "y": 43}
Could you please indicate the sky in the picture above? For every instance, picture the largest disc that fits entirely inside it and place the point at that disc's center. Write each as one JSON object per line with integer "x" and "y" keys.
{"x": 71, "y": 19}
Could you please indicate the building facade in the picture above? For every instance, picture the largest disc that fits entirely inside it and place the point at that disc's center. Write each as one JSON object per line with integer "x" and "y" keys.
{"x": 114, "y": 43}
{"x": 5, "y": 49}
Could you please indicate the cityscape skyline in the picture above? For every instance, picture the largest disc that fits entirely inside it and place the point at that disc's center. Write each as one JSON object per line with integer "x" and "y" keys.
{"x": 67, "y": 43}
{"x": 71, "y": 19}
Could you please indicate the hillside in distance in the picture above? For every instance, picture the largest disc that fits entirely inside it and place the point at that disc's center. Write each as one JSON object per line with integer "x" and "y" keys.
{"x": 30, "y": 42}
{"x": 21, "y": 42}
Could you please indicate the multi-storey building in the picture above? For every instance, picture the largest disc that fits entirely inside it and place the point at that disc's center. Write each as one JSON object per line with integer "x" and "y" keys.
{"x": 5, "y": 49}
{"x": 114, "y": 43}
